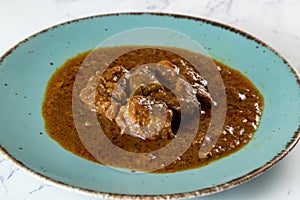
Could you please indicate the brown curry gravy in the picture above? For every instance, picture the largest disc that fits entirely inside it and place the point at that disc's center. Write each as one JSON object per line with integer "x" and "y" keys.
{"x": 244, "y": 109}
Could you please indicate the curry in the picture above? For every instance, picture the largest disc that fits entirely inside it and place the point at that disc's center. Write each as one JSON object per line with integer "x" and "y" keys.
{"x": 141, "y": 99}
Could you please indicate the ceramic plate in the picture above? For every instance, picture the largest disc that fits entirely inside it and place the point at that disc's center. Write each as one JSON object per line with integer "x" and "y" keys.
{"x": 27, "y": 67}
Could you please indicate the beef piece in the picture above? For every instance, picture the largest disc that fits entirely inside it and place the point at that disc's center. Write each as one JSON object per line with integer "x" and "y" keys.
{"x": 144, "y": 118}
{"x": 197, "y": 81}
{"x": 142, "y": 76}
{"x": 113, "y": 74}
{"x": 104, "y": 94}
{"x": 87, "y": 94}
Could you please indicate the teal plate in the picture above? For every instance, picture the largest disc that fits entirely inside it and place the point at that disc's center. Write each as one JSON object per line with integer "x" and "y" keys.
{"x": 27, "y": 67}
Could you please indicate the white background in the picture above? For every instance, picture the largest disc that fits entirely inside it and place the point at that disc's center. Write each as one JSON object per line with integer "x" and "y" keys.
{"x": 274, "y": 21}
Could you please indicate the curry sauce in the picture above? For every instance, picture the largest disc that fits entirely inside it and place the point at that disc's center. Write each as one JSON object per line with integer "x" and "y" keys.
{"x": 124, "y": 114}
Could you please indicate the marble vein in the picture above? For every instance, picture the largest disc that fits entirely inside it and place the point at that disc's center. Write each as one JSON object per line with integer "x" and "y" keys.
{"x": 229, "y": 5}
{"x": 3, "y": 184}
{"x": 157, "y": 6}
{"x": 12, "y": 172}
{"x": 37, "y": 189}
{"x": 219, "y": 6}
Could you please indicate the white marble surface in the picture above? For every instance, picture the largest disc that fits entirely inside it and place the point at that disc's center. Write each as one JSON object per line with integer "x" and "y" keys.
{"x": 274, "y": 21}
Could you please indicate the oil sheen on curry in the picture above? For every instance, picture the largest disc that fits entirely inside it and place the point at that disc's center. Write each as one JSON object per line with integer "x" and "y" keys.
{"x": 141, "y": 98}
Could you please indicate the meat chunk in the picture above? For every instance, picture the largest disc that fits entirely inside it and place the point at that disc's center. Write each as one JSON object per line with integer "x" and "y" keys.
{"x": 146, "y": 119}
{"x": 113, "y": 74}
{"x": 87, "y": 94}
{"x": 104, "y": 94}
{"x": 198, "y": 83}
{"x": 140, "y": 77}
